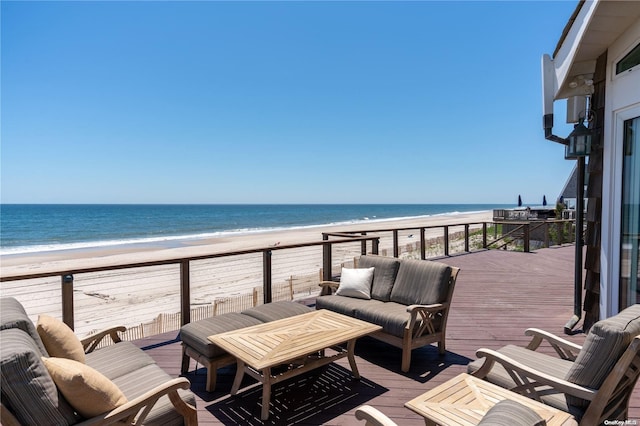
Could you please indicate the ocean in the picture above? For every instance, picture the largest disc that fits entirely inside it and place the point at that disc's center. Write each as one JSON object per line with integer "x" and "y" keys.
{"x": 30, "y": 228}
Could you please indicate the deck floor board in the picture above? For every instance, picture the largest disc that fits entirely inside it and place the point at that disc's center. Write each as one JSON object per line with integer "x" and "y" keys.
{"x": 498, "y": 295}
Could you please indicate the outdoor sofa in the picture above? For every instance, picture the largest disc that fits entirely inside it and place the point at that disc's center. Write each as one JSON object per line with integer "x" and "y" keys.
{"x": 408, "y": 298}
{"x": 48, "y": 379}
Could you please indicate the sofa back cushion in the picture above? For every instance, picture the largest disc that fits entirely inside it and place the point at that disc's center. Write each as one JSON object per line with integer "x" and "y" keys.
{"x": 27, "y": 388}
{"x": 421, "y": 282}
{"x": 606, "y": 342}
{"x": 384, "y": 275}
{"x": 13, "y": 315}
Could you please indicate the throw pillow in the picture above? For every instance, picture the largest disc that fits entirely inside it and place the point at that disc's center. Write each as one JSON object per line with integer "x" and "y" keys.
{"x": 59, "y": 339}
{"x": 356, "y": 283}
{"x": 86, "y": 389}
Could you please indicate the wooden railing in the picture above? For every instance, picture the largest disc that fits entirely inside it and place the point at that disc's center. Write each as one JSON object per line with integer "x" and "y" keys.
{"x": 184, "y": 266}
{"x": 67, "y": 275}
{"x": 523, "y": 233}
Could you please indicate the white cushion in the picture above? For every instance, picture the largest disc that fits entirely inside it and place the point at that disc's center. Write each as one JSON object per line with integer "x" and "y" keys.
{"x": 356, "y": 283}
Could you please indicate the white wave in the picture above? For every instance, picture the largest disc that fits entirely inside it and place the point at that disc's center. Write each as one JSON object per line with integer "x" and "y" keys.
{"x": 43, "y": 248}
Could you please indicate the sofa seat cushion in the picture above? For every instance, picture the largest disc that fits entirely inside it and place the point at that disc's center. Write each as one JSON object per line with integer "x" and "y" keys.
{"x": 195, "y": 333}
{"x": 130, "y": 358}
{"x": 139, "y": 382}
{"x": 603, "y": 347}
{"x": 277, "y": 310}
{"x": 421, "y": 282}
{"x": 547, "y": 364}
{"x": 13, "y": 315}
{"x": 345, "y": 305}
{"x": 85, "y": 388}
{"x": 27, "y": 388}
{"x": 384, "y": 275}
{"x": 392, "y": 317}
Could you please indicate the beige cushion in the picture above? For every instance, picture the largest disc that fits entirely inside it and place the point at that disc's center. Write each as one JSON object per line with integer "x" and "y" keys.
{"x": 59, "y": 339}
{"x": 356, "y": 283}
{"x": 87, "y": 390}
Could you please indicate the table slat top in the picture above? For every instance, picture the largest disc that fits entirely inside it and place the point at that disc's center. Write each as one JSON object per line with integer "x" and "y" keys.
{"x": 464, "y": 400}
{"x": 281, "y": 341}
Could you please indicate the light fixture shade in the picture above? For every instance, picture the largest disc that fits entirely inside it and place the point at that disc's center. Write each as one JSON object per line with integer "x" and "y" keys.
{"x": 579, "y": 142}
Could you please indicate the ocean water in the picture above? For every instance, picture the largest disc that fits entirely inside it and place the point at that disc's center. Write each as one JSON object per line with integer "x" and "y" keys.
{"x": 29, "y": 228}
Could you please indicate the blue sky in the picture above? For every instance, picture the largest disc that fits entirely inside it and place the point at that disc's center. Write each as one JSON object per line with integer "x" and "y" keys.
{"x": 278, "y": 102}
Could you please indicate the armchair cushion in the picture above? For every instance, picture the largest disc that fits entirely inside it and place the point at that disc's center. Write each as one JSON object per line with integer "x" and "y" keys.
{"x": 27, "y": 387}
{"x": 409, "y": 288}
{"x": 356, "y": 283}
{"x": 511, "y": 413}
{"x": 386, "y": 270}
{"x": 603, "y": 347}
{"x": 59, "y": 339}
{"x": 86, "y": 389}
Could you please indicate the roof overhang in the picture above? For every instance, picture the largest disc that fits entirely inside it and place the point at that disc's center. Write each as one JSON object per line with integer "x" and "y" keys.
{"x": 592, "y": 28}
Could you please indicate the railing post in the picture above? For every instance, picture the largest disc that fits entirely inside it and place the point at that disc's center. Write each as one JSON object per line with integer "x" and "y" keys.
{"x": 423, "y": 245}
{"x": 484, "y": 235}
{"x": 266, "y": 275}
{"x": 546, "y": 235}
{"x": 560, "y": 231}
{"x": 326, "y": 259}
{"x": 466, "y": 237}
{"x": 446, "y": 240}
{"x": 185, "y": 292}
{"x": 67, "y": 300}
{"x": 525, "y": 237}
{"x": 395, "y": 243}
{"x": 375, "y": 246}
{"x": 363, "y": 245}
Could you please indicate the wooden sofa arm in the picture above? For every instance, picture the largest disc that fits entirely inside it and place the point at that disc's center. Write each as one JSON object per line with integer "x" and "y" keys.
{"x": 126, "y": 414}
{"x": 564, "y": 348}
{"x": 328, "y": 287}
{"x": 425, "y": 313}
{"x": 373, "y": 417}
{"x": 529, "y": 379}
{"x": 90, "y": 343}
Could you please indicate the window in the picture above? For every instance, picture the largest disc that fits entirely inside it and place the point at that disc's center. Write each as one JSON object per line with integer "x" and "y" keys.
{"x": 630, "y": 60}
{"x": 630, "y": 232}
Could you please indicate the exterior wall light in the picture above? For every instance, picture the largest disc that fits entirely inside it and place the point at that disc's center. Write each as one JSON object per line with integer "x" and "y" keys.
{"x": 579, "y": 141}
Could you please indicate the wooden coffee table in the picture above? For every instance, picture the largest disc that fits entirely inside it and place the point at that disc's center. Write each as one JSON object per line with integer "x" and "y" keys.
{"x": 300, "y": 341}
{"x": 465, "y": 399}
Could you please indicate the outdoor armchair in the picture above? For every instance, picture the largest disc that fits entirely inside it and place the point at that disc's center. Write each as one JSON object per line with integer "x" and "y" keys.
{"x": 593, "y": 382}
{"x": 504, "y": 413}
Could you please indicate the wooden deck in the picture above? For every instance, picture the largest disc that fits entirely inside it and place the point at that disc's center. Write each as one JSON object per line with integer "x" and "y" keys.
{"x": 498, "y": 294}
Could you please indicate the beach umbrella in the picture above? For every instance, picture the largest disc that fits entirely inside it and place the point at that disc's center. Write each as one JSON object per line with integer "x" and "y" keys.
{"x": 544, "y": 200}
{"x": 519, "y": 201}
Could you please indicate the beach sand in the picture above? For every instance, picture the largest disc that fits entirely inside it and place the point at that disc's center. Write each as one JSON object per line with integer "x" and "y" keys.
{"x": 134, "y": 296}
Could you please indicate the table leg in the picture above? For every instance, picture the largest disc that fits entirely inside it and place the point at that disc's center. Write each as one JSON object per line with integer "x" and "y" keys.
{"x": 266, "y": 393}
{"x": 239, "y": 375}
{"x": 351, "y": 347}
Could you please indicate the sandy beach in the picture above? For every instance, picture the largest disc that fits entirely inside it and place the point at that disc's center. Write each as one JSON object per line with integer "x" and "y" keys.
{"x": 136, "y": 296}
